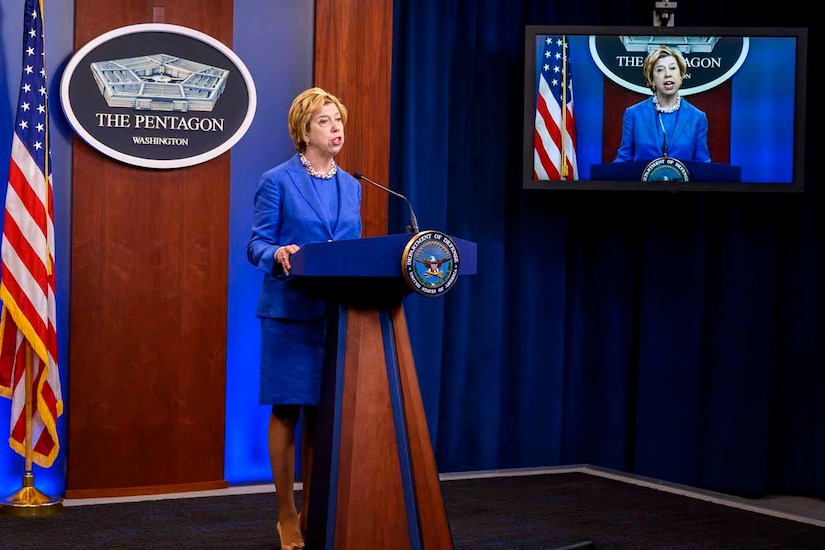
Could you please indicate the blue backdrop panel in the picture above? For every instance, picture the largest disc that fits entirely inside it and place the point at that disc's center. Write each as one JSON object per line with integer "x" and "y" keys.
{"x": 276, "y": 41}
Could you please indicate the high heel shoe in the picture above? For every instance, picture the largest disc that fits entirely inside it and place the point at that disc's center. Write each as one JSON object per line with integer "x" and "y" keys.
{"x": 297, "y": 545}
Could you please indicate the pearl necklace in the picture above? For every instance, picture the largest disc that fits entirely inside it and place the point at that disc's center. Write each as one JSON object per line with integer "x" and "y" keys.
{"x": 675, "y": 106}
{"x": 315, "y": 173}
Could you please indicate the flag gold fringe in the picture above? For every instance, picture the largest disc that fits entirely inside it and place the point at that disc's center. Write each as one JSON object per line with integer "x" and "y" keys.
{"x": 28, "y": 500}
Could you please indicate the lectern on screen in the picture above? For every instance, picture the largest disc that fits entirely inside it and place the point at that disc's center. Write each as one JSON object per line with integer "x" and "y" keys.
{"x": 374, "y": 482}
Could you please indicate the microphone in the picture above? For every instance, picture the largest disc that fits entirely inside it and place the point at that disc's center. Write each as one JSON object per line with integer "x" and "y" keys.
{"x": 413, "y": 227}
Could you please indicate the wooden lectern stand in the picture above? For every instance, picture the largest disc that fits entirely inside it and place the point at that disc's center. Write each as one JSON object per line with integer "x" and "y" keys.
{"x": 374, "y": 481}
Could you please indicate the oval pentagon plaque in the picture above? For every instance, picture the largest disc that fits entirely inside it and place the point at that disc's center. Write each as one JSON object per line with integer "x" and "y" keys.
{"x": 158, "y": 96}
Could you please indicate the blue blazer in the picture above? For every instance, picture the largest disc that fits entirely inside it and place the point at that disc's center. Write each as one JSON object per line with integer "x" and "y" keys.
{"x": 289, "y": 211}
{"x": 642, "y": 134}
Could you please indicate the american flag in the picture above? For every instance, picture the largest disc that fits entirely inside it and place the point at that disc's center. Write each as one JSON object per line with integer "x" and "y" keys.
{"x": 27, "y": 280}
{"x": 554, "y": 151}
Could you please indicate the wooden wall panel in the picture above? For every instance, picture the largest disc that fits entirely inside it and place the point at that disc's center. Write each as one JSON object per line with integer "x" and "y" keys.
{"x": 149, "y": 275}
{"x": 148, "y": 300}
{"x": 353, "y": 60}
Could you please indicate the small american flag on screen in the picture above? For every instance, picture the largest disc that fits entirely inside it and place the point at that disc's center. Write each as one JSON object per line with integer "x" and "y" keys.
{"x": 554, "y": 152}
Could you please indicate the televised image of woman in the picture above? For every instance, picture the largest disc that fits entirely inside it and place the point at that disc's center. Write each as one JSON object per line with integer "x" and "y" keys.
{"x": 306, "y": 199}
{"x": 665, "y": 124}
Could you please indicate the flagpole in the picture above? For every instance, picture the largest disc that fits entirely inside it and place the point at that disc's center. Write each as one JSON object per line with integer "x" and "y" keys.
{"x": 28, "y": 500}
{"x": 563, "y": 128}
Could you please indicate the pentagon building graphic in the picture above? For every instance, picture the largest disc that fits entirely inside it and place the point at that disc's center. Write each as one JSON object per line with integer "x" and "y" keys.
{"x": 685, "y": 44}
{"x": 159, "y": 82}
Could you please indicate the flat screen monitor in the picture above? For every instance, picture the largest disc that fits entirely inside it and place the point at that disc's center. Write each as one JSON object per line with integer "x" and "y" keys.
{"x": 590, "y": 121}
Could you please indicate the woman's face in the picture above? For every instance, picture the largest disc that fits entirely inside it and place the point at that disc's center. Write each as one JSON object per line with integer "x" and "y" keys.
{"x": 667, "y": 79}
{"x": 326, "y": 131}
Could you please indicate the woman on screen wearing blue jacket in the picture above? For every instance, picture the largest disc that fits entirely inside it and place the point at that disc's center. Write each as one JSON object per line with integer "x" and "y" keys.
{"x": 665, "y": 124}
{"x": 306, "y": 199}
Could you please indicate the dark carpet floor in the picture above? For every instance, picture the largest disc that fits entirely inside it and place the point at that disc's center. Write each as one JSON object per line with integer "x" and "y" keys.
{"x": 530, "y": 512}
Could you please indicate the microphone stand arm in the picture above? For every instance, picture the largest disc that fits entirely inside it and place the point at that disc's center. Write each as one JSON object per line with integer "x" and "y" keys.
{"x": 413, "y": 227}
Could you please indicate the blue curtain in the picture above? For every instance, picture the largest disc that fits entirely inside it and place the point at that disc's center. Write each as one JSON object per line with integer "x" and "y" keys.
{"x": 677, "y": 336}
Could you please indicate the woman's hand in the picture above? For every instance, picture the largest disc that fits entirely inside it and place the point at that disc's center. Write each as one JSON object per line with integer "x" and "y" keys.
{"x": 283, "y": 254}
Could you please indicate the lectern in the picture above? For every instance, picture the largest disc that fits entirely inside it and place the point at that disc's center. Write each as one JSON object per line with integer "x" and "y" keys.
{"x": 374, "y": 479}
{"x": 699, "y": 171}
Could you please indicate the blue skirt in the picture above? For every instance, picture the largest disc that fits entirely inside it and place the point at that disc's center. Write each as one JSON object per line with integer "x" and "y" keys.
{"x": 292, "y": 361}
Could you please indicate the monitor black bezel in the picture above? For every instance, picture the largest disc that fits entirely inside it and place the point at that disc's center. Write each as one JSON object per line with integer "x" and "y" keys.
{"x": 796, "y": 186}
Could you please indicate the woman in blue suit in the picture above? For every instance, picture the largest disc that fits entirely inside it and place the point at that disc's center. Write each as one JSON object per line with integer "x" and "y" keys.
{"x": 665, "y": 124}
{"x": 308, "y": 198}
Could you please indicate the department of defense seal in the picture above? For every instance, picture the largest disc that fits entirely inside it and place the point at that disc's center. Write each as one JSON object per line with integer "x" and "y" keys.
{"x": 666, "y": 169}
{"x": 430, "y": 263}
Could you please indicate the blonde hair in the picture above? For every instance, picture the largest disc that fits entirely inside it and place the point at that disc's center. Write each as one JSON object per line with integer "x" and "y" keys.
{"x": 306, "y": 104}
{"x": 656, "y": 55}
